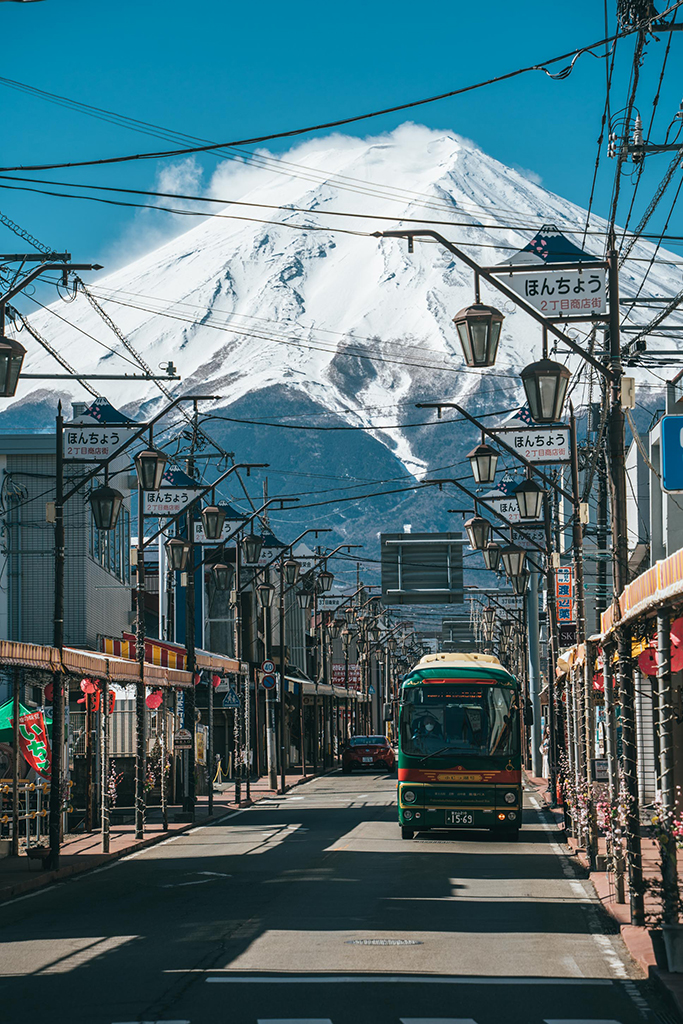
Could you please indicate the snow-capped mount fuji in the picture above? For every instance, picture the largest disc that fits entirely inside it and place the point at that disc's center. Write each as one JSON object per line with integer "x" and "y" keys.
{"x": 294, "y": 313}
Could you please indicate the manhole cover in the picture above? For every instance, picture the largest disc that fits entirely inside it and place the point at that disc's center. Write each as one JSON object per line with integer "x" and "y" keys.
{"x": 383, "y": 942}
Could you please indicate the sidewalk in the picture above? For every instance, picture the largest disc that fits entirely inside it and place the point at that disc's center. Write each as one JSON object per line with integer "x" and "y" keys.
{"x": 82, "y": 852}
{"x": 637, "y": 939}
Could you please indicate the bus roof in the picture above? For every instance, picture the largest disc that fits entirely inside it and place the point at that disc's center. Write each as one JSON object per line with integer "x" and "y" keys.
{"x": 433, "y": 668}
{"x": 452, "y": 658}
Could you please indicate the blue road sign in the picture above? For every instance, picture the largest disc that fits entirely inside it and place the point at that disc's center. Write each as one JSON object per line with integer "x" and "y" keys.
{"x": 231, "y": 699}
{"x": 268, "y": 681}
{"x": 672, "y": 453}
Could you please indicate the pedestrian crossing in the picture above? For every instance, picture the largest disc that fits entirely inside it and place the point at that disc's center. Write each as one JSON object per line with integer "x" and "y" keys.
{"x": 432, "y": 1020}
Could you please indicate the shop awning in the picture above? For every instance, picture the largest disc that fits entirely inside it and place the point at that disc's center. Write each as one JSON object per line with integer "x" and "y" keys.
{"x": 653, "y": 588}
{"x": 88, "y": 663}
{"x": 168, "y": 655}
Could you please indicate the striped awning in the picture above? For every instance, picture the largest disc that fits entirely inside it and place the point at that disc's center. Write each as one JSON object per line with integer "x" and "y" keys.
{"x": 88, "y": 663}
{"x": 167, "y": 655}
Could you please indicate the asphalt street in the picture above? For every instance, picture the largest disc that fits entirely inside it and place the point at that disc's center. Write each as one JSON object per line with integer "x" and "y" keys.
{"x": 310, "y": 907}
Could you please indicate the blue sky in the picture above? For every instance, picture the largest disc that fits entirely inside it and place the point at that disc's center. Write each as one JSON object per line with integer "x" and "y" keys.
{"x": 220, "y": 71}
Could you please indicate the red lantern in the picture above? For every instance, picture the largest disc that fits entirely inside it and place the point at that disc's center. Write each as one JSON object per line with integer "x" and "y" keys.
{"x": 154, "y": 699}
{"x": 676, "y": 659}
{"x": 49, "y": 690}
{"x": 677, "y": 633}
{"x": 197, "y": 678}
{"x": 647, "y": 661}
{"x": 216, "y": 680}
{"x": 89, "y": 686}
{"x": 599, "y": 682}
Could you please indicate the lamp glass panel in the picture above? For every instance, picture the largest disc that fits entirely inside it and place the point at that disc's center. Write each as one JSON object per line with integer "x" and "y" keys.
{"x": 465, "y": 342}
{"x": 548, "y": 388}
{"x": 479, "y": 332}
{"x": 496, "y": 326}
{"x": 492, "y": 556}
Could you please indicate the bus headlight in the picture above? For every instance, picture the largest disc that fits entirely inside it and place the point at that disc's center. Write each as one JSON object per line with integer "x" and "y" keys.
{"x": 510, "y": 798}
{"x": 407, "y": 815}
{"x": 409, "y": 796}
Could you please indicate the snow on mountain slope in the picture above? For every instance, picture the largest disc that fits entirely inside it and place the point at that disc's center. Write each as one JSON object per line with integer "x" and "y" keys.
{"x": 328, "y": 321}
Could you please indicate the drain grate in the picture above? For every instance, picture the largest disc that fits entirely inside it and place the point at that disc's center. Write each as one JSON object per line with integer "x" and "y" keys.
{"x": 383, "y": 942}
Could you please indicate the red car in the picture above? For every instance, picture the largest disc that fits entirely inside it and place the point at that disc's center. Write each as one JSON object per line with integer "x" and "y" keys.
{"x": 367, "y": 752}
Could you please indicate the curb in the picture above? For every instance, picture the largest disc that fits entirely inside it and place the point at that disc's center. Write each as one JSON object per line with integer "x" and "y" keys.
{"x": 41, "y": 881}
{"x": 667, "y": 985}
{"x": 667, "y": 993}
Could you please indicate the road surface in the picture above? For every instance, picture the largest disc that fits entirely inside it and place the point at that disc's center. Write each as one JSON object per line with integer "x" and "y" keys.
{"x": 310, "y": 907}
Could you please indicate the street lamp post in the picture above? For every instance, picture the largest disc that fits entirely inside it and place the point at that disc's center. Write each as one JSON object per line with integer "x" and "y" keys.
{"x": 549, "y": 380}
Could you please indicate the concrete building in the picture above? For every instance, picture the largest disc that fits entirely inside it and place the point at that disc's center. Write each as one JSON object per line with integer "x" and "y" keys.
{"x": 97, "y": 564}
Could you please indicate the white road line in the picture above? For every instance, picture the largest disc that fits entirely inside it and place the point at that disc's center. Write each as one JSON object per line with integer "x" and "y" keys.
{"x": 404, "y": 979}
{"x": 293, "y": 1020}
{"x": 437, "y": 1020}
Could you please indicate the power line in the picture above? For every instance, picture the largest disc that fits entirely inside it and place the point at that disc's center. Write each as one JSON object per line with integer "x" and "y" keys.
{"x": 292, "y": 133}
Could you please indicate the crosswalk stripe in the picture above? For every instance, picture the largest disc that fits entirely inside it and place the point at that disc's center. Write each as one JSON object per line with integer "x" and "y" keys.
{"x": 437, "y": 1020}
{"x": 407, "y": 979}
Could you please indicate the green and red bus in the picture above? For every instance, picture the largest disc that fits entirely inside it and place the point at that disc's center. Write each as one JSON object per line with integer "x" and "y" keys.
{"x": 459, "y": 756}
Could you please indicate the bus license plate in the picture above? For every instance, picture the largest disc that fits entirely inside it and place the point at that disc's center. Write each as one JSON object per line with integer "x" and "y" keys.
{"x": 367, "y": 760}
{"x": 459, "y": 818}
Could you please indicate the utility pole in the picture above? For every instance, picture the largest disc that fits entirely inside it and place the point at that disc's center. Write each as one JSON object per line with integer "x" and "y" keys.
{"x": 271, "y": 725}
{"x": 55, "y": 821}
{"x": 617, "y": 481}
{"x": 140, "y": 715}
{"x": 534, "y": 670}
{"x": 190, "y": 696}
{"x": 283, "y": 684}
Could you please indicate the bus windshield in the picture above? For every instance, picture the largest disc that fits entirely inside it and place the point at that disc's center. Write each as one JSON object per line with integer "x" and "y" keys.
{"x": 459, "y": 718}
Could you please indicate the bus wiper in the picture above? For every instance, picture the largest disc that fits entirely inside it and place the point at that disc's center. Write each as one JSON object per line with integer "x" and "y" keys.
{"x": 434, "y": 753}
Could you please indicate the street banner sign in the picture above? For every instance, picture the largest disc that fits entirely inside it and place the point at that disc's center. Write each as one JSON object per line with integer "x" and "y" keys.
{"x": 232, "y": 699}
{"x": 34, "y": 743}
{"x": 506, "y": 507}
{"x": 559, "y": 294}
{"x": 176, "y": 492}
{"x": 531, "y": 539}
{"x": 566, "y": 634}
{"x": 268, "y": 681}
{"x": 339, "y": 675}
{"x": 182, "y": 740}
{"x": 168, "y": 501}
{"x": 331, "y": 602}
{"x": 305, "y": 557}
{"x": 268, "y": 666}
{"x": 93, "y": 442}
{"x": 229, "y": 527}
{"x": 564, "y": 592}
{"x": 672, "y": 453}
{"x": 537, "y": 443}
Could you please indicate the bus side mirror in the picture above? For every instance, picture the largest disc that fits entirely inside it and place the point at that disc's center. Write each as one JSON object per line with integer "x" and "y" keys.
{"x": 387, "y": 713}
